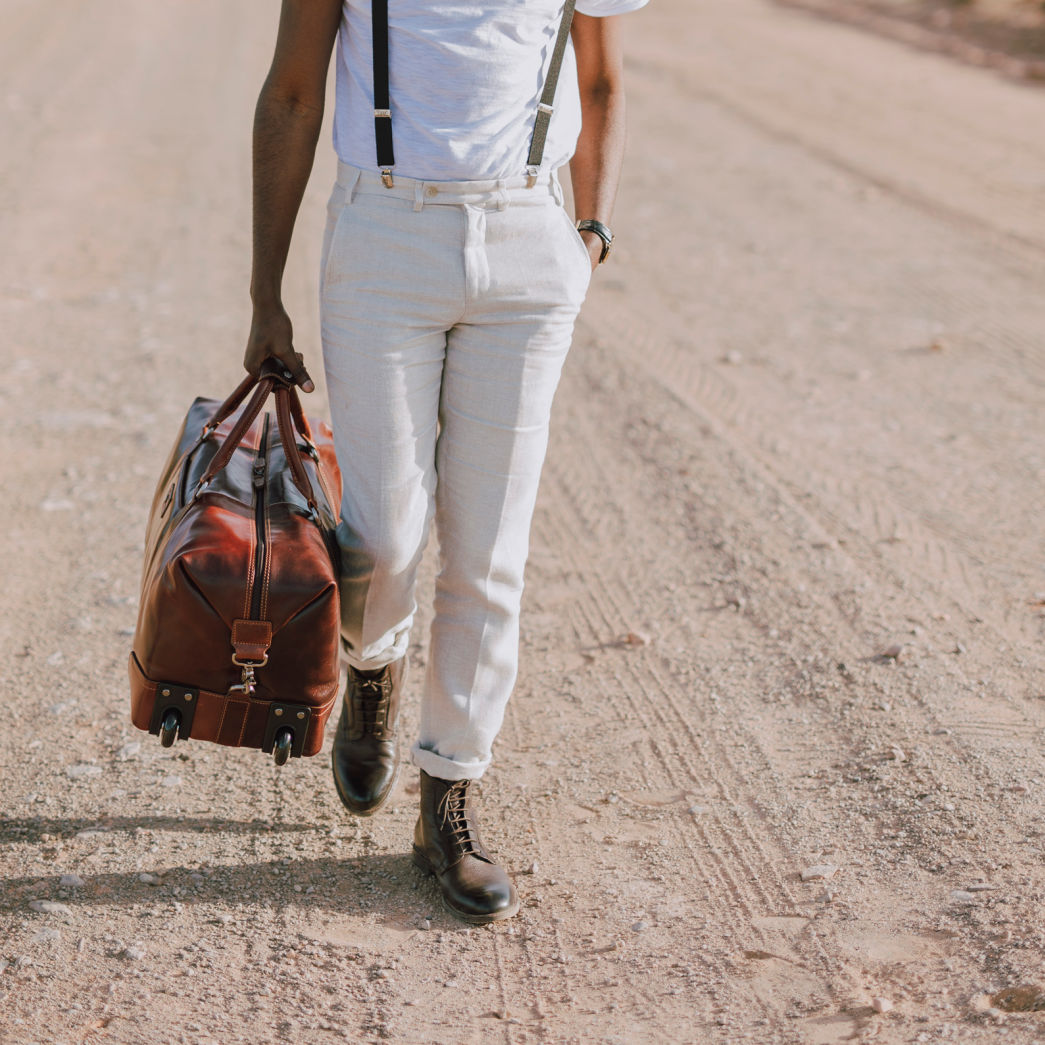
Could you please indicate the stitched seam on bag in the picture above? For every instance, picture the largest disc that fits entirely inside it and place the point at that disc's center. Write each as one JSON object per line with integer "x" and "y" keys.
{"x": 243, "y": 727}
{"x": 268, "y": 568}
{"x": 192, "y": 582}
{"x": 252, "y": 555}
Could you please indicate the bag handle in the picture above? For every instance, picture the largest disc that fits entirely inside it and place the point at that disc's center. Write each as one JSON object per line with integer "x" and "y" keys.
{"x": 290, "y": 421}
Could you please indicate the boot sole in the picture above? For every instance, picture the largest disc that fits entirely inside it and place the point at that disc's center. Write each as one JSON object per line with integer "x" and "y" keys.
{"x": 364, "y": 810}
{"x": 421, "y": 863}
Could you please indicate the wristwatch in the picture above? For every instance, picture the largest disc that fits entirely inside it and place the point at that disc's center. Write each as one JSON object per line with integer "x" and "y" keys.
{"x": 602, "y": 231}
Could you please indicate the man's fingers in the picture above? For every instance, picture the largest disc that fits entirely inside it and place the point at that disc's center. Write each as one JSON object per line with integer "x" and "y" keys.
{"x": 295, "y": 368}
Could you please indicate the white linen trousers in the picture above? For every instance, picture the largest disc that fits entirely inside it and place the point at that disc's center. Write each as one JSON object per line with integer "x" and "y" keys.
{"x": 447, "y": 311}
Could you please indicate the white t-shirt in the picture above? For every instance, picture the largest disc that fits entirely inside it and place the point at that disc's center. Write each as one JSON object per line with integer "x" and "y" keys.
{"x": 465, "y": 78}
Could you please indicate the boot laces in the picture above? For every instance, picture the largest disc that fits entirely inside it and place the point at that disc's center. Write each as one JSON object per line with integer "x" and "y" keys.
{"x": 456, "y": 822}
{"x": 373, "y": 698}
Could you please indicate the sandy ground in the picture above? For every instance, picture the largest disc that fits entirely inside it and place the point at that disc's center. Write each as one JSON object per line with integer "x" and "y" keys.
{"x": 785, "y": 607}
{"x": 1007, "y": 36}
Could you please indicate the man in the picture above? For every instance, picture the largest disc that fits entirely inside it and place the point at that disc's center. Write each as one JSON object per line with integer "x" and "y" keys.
{"x": 451, "y": 279}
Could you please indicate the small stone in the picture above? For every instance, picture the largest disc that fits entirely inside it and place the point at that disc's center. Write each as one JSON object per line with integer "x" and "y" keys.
{"x": 897, "y": 754}
{"x": 90, "y": 834}
{"x": 819, "y": 873}
{"x": 171, "y": 780}
{"x": 979, "y": 1002}
{"x": 531, "y": 868}
{"x": 636, "y": 638}
{"x": 980, "y": 887}
{"x": 733, "y": 357}
{"x": 881, "y": 1004}
{"x": 148, "y": 879}
{"x": 49, "y": 907}
{"x": 47, "y": 936}
{"x": 425, "y": 924}
{"x": 639, "y": 927}
{"x": 827, "y": 896}
{"x": 894, "y": 652}
{"x": 129, "y": 751}
{"x": 82, "y": 771}
{"x": 1028, "y": 997}
{"x": 71, "y": 881}
{"x": 225, "y": 919}
{"x": 959, "y": 648}
{"x": 962, "y": 896}
{"x": 133, "y": 953}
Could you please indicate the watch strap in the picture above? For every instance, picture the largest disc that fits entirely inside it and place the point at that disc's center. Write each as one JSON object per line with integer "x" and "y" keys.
{"x": 601, "y": 230}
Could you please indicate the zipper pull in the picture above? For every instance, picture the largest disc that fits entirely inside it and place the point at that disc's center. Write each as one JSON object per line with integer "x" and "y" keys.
{"x": 259, "y": 472}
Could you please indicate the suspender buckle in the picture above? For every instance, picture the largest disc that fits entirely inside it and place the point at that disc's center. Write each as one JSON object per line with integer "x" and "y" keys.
{"x": 386, "y": 178}
{"x": 531, "y": 175}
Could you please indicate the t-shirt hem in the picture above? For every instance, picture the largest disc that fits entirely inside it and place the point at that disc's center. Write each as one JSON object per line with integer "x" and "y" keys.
{"x": 606, "y": 8}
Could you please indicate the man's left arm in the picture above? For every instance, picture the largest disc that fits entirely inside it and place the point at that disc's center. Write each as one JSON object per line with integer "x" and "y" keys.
{"x": 595, "y": 167}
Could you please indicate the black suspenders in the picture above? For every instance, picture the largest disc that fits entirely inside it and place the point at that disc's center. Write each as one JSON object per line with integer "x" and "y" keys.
{"x": 383, "y": 105}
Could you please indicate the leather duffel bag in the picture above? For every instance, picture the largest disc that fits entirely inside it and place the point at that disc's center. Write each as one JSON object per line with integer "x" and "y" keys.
{"x": 237, "y": 639}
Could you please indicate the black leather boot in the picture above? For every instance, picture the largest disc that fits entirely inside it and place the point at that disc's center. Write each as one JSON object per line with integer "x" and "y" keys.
{"x": 447, "y": 845}
{"x": 366, "y": 748}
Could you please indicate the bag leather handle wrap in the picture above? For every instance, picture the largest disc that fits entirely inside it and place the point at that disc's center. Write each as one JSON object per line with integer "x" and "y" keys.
{"x": 290, "y": 421}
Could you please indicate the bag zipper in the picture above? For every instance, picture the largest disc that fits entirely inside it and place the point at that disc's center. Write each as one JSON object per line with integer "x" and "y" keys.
{"x": 259, "y": 479}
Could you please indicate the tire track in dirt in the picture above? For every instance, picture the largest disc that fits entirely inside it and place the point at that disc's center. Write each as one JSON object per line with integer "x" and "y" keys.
{"x": 720, "y": 409}
{"x": 603, "y": 611}
{"x": 840, "y": 508}
{"x": 732, "y": 864}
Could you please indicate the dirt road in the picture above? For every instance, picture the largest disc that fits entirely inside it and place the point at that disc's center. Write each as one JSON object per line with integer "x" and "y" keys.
{"x": 784, "y": 613}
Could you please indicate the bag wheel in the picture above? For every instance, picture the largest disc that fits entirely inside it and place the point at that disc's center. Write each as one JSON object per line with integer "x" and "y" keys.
{"x": 169, "y": 728}
{"x": 281, "y": 747}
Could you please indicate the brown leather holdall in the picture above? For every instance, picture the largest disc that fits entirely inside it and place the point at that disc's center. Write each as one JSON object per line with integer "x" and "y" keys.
{"x": 238, "y": 627}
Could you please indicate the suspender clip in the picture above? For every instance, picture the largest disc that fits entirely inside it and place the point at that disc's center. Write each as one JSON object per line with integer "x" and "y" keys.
{"x": 386, "y": 178}
{"x": 531, "y": 175}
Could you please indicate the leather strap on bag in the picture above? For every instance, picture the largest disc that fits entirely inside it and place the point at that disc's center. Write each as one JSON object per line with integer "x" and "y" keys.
{"x": 290, "y": 420}
{"x": 383, "y": 104}
{"x": 230, "y": 404}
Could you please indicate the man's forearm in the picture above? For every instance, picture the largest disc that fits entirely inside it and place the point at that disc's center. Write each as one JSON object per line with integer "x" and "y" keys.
{"x": 285, "y": 137}
{"x": 596, "y": 164}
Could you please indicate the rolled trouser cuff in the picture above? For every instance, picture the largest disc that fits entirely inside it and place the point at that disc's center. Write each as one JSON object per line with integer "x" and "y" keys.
{"x": 446, "y": 768}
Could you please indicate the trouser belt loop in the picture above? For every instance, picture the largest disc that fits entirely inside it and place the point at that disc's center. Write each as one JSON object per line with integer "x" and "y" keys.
{"x": 503, "y": 199}
{"x": 556, "y": 189}
{"x": 418, "y": 195}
